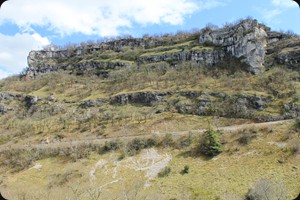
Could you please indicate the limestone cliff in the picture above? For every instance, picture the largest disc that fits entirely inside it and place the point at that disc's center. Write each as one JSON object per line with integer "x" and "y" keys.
{"x": 250, "y": 42}
{"x": 246, "y": 40}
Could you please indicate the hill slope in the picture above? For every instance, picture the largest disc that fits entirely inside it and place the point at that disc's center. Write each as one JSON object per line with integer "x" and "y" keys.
{"x": 110, "y": 120}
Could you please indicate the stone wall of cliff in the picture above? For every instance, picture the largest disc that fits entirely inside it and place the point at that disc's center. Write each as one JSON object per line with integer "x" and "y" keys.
{"x": 249, "y": 41}
{"x": 246, "y": 40}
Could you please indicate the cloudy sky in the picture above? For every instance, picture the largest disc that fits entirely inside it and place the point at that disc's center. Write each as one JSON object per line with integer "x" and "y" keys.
{"x": 31, "y": 24}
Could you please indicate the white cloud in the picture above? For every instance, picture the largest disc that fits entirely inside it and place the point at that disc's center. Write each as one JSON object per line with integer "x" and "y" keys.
{"x": 269, "y": 15}
{"x": 101, "y": 17}
{"x": 3, "y": 74}
{"x": 284, "y": 3}
{"x": 279, "y": 7}
{"x": 14, "y": 51}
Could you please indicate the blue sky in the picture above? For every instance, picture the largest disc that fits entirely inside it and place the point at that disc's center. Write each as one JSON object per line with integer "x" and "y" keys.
{"x": 31, "y": 24}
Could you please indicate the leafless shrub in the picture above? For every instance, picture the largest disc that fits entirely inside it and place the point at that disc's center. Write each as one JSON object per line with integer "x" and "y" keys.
{"x": 267, "y": 190}
{"x": 246, "y": 135}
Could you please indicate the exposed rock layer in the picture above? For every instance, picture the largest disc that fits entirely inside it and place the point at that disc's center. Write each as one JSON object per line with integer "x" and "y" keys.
{"x": 246, "y": 40}
{"x": 249, "y": 41}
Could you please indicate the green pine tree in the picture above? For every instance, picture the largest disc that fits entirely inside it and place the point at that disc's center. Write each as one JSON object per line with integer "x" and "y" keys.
{"x": 210, "y": 144}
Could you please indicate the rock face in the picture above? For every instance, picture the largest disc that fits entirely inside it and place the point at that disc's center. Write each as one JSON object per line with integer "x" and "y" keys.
{"x": 283, "y": 50}
{"x": 42, "y": 62}
{"x": 92, "y": 103}
{"x": 246, "y": 40}
{"x": 289, "y": 58}
{"x": 250, "y": 42}
{"x": 10, "y": 101}
{"x": 9, "y": 96}
{"x": 291, "y": 110}
{"x": 143, "y": 98}
{"x": 198, "y": 103}
{"x": 206, "y": 57}
{"x": 274, "y": 37}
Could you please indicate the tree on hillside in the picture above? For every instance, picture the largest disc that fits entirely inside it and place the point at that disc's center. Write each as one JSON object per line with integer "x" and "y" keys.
{"x": 209, "y": 144}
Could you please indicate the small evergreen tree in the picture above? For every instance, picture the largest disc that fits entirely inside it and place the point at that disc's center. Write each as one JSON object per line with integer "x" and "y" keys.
{"x": 185, "y": 170}
{"x": 210, "y": 143}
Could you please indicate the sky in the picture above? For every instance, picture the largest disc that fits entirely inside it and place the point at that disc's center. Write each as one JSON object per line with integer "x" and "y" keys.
{"x": 27, "y": 25}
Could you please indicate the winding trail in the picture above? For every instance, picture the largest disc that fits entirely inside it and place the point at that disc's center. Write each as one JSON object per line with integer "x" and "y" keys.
{"x": 87, "y": 141}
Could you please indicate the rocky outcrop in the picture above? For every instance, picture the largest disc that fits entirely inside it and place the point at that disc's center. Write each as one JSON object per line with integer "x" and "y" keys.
{"x": 6, "y": 100}
{"x": 291, "y": 110}
{"x": 197, "y": 102}
{"x": 240, "y": 106}
{"x": 246, "y": 40}
{"x": 39, "y": 63}
{"x": 274, "y": 37}
{"x": 42, "y": 62}
{"x": 206, "y": 57}
{"x": 143, "y": 98}
{"x": 92, "y": 103}
{"x": 289, "y": 57}
{"x": 9, "y": 96}
{"x": 283, "y": 50}
{"x": 11, "y": 102}
{"x": 29, "y": 101}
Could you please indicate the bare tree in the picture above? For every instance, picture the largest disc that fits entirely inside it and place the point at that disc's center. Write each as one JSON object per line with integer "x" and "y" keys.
{"x": 268, "y": 190}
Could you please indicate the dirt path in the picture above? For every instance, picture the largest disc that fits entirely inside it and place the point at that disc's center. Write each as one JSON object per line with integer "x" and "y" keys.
{"x": 71, "y": 143}
{"x": 230, "y": 128}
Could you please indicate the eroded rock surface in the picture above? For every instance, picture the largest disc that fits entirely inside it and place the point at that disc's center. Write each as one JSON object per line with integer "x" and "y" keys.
{"x": 246, "y": 40}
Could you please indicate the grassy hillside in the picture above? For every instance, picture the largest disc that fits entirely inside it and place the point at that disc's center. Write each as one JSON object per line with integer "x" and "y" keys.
{"x": 141, "y": 132}
{"x": 270, "y": 153}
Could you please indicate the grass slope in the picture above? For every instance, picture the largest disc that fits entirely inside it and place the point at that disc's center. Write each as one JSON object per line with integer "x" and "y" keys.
{"x": 267, "y": 156}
